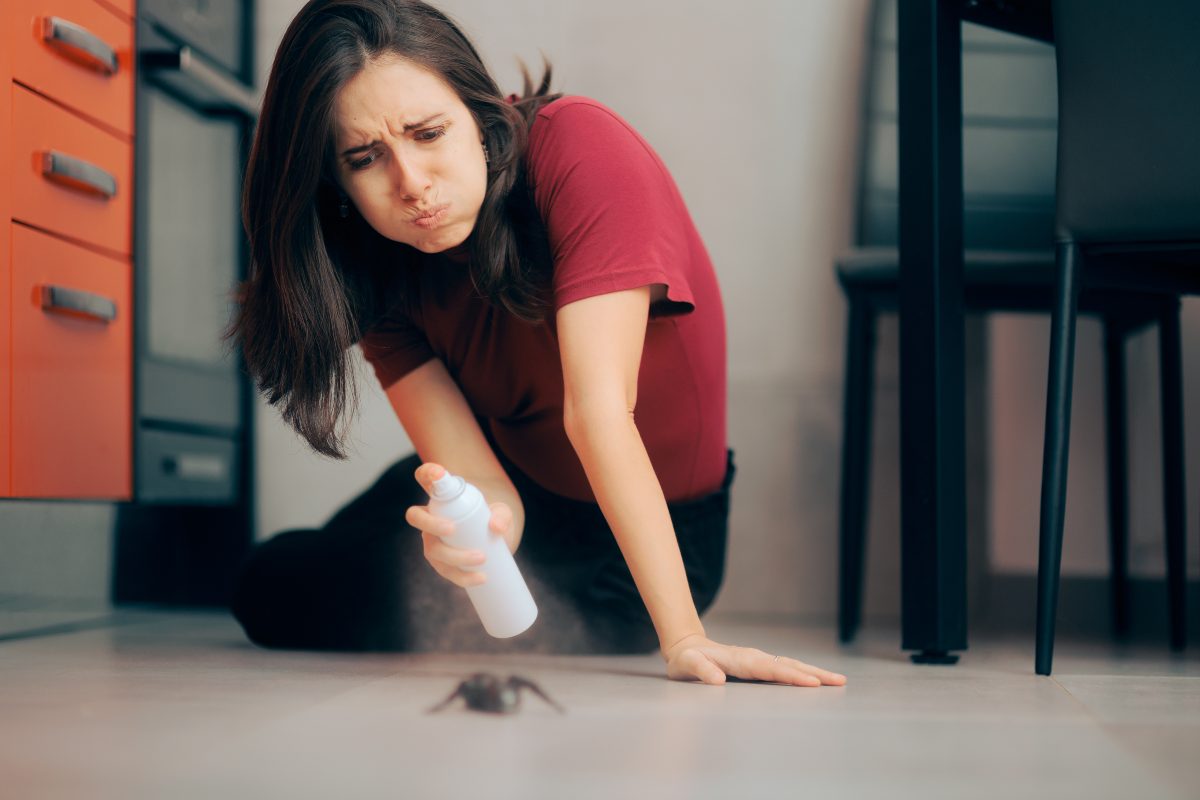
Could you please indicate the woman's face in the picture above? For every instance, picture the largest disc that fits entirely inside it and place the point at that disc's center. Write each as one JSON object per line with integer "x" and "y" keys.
{"x": 409, "y": 155}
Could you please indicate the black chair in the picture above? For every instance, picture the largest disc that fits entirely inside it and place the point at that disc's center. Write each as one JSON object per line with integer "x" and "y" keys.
{"x": 995, "y": 281}
{"x": 999, "y": 118}
{"x": 1128, "y": 214}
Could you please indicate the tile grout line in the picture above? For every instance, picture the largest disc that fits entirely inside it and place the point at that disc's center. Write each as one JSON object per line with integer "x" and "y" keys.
{"x": 1148, "y": 767}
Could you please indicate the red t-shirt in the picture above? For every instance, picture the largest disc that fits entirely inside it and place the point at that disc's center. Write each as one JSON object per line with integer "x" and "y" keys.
{"x": 615, "y": 221}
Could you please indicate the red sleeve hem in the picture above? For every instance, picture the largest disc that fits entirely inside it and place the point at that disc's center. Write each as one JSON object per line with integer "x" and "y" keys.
{"x": 391, "y": 365}
{"x": 680, "y": 297}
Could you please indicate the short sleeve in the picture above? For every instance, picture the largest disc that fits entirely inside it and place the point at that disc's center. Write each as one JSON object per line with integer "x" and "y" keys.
{"x": 614, "y": 216}
{"x": 394, "y": 347}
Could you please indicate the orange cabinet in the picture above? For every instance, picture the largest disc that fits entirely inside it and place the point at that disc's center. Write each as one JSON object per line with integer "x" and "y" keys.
{"x": 68, "y": 176}
{"x": 71, "y": 364}
{"x": 123, "y": 8}
{"x": 66, "y": 207}
{"x": 77, "y": 51}
{"x": 5, "y": 282}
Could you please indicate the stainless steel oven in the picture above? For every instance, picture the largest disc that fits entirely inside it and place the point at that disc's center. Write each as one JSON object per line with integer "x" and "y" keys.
{"x": 179, "y": 542}
{"x": 195, "y": 112}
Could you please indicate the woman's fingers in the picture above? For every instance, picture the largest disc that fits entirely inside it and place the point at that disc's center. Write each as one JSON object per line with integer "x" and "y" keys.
{"x": 427, "y": 473}
{"x": 749, "y": 663}
{"x": 420, "y": 518}
{"x": 455, "y": 564}
{"x": 438, "y": 550}
{"x": 696, "y": 663}
{"x": 827, "y": 677}
{"x": 697, "y": 656}
{"x": 789, "y": 670}
{"x": 502, "y": 517}
{"x": 754, "y": 664}
{"x": 458, "y": 565}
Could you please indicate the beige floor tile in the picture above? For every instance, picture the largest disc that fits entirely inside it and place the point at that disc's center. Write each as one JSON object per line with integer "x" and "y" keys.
{"x": 181, "y": 706}
{"x": 1170, "y": 751}
{"x": 1137, "y": 699}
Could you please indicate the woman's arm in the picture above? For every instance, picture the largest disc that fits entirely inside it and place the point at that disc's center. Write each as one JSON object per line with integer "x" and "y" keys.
{"x": 435, "y": 415}
{"x": 600, "y": 340}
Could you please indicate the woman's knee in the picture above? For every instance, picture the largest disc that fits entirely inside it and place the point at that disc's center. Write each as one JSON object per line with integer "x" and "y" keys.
{"x": 266, "y": 583}
{"x": 384, "y": 503}
{"x": 320, "y": 590}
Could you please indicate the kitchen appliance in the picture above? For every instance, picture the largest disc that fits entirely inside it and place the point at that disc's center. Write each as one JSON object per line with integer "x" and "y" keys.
{"x": 180, "y": 540}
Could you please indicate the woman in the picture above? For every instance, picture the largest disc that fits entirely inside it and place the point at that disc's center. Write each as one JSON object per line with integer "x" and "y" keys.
{"x": 522, "y": 274}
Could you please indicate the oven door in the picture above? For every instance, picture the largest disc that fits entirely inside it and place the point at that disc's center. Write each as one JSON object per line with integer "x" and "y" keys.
{"x": 193, "y": 120}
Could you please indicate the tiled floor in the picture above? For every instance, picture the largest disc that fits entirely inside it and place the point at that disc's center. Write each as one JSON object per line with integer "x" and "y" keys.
{"x": 181, "y": 706}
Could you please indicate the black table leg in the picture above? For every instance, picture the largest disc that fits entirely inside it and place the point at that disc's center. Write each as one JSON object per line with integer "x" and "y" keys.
{"x": 932, "y": 443}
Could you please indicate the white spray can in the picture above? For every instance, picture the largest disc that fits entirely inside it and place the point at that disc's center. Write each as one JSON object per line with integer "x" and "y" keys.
{"x": 503, "y": 601}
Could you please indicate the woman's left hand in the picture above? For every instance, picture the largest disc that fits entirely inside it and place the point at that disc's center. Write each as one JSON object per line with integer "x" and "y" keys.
{"x": 698, "y": 657}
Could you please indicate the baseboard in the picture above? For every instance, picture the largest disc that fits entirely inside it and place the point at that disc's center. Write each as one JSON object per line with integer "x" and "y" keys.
{"x": 1084, "y": 607}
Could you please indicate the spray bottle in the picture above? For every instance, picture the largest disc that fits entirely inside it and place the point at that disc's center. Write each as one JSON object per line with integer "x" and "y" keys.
{"x": 503, "y": 601}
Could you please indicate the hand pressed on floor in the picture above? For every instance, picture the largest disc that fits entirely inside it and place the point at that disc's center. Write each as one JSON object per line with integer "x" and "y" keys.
{"x": 697, "y": 657}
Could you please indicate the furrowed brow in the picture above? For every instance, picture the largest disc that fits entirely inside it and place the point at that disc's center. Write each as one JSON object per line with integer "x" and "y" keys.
{"x": 362, "y": 148}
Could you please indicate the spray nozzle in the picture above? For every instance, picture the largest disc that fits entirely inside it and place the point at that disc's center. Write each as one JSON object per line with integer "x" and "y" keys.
{"x": 447, "y": 487}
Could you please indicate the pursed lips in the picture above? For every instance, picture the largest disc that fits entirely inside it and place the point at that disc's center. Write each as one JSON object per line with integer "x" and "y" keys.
{"x": 431, "y": 217}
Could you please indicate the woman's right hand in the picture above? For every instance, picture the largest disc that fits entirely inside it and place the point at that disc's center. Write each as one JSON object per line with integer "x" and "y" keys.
{"x": 447, "y": 560}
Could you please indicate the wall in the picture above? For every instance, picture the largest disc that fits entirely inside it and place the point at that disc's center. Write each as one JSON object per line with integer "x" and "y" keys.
{"x": 1019, "y": 357}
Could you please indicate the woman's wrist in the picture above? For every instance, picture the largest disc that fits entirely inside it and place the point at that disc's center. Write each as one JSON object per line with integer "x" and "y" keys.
{"x": 666, "y": 650}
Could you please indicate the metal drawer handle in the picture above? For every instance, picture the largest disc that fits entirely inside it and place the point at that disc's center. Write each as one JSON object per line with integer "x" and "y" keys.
{"x": 75, "y": 173}
{"x": 195, "y": 466}
{"x": 76, "y": 302}
{"x": 79, "y": 41}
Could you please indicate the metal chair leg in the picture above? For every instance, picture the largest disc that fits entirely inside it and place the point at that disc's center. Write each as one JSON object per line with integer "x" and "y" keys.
{"x": 1116, "y": 419}
{"x": 1054, "y": 456}
{"x": 856, "y": 459}
{"x": 1175, "y": 516}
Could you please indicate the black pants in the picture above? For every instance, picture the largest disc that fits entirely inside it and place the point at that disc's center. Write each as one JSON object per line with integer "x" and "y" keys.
{"x": 361, "y": 583}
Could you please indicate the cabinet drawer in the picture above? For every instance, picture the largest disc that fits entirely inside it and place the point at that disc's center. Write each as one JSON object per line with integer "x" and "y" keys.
{"x": 70, "y": 196}
{"x": 123, "y": 7}
{"x": 5, "y": 346}
{"x": 72, "y": 392}
{"x": 74, "y": 62}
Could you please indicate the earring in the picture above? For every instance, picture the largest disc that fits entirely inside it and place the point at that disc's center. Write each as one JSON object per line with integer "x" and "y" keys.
{"x": 486, "y": 158}
{"x": 344, "y": 207}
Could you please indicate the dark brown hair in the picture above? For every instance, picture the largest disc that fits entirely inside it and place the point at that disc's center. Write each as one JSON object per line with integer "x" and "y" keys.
{"x": 316, "y": 282}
